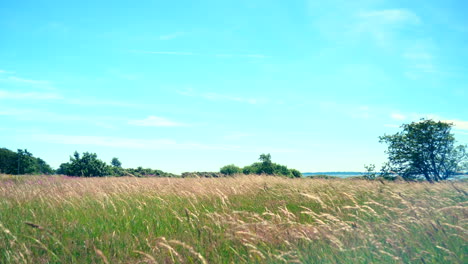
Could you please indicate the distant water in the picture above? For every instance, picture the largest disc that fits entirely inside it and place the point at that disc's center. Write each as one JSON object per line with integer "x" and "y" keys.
{"x": 341, "y": 174}
{"x": 346, "y": 174}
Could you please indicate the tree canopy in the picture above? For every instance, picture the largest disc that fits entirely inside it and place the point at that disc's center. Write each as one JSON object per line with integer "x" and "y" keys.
{"x": 424, "y": 149}
{"x": 22, "y": 162}
{"x": 265, "y": 166}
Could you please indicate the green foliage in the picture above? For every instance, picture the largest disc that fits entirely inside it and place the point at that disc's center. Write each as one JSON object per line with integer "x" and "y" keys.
{"x": 87, "y": 165}
{"x": 63, "y": 169}
{"x": 230, "y": 170}
{"x": 266, "y": 166}
{"x": 141, "y": 172}
{"x": 295, "y": 173}
{"x": 424, "y": 149}
{"x": 22, "y": 162}
{"x": 8, "y": 161}
{"x": 370, "y": 172}
{"x": 116, "y": 163}
{"x": 202, "y": 174}
{"x": 323, "y": 176}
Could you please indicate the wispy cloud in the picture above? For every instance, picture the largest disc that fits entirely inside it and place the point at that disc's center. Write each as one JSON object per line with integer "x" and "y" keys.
{"x": 420, "y": 62}
{"x": 155, "y": 121}
{"x": 390, "y": 16}
{"x": 29, "y": 95}
{"x": 27, "y": 81}
{"x": 236, "y": 135}
{"x": 172, "y": 36}
{"x": 182, "y": 53}
{"x": 5, "y": 72}
{"x": 131, "y": 143}
{"x": 381, "y": 25}
{"x": 86, "y": 101}
{"x": 42, "y": 116}
{"x": 219, "y": 55}
{"x": 221, "y": 97}
{"x": 148, "y": 144}
{"x": 256, "y": 56}
{"x": 352, "y": 111}
{"x": 55, "y": 27}
{"x": 8, "y": 77}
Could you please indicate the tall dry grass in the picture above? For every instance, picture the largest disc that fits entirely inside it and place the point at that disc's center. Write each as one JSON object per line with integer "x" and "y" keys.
{"x": 244, "y": 219}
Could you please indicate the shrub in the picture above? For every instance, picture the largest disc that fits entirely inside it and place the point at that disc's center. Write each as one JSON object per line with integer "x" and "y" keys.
{"x": 230, "y": 170}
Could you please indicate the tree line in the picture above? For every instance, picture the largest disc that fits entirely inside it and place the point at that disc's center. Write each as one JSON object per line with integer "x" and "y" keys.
{"x": 88, "y": 164}
{"x": 22, "y": 162}
{"x": 265, "y": 166}
{"x": 423, "y": 150}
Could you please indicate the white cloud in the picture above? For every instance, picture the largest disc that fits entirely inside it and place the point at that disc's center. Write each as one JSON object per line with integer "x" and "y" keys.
{"x": 459, "y": 124}
{"x": 397, "y": 116}
{"x": 155, "y": 121}
{"x": 29, "y": 95}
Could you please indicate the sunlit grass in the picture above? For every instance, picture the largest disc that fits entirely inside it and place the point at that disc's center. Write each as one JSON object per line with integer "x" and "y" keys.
{"x": 55, "y": 219}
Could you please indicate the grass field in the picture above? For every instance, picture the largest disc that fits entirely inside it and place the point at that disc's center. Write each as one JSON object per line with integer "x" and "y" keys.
{"x": 256, "y": 219}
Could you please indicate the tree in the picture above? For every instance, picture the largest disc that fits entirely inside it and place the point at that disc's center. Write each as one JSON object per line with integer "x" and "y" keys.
{"x": 230, "y": 170}
{"x": 64, "y": 169}
{"x": 26, "y": 162}
{"x": 22, "y": 162}
{"x": 43, "y": 167}
{"x": 370, "y": 172}
{"x": 87, "y": 165}
{"x": 424, "y": 149}
{"x": 116, "y": 163}
{"x": 8, "y": 161}
{"x": 267, "y": 165}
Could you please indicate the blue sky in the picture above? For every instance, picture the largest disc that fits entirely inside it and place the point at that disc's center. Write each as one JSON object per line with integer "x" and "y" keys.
{"x": 195, "y": 85}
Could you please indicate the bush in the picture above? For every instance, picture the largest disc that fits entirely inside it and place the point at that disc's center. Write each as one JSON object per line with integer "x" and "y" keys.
{"x": 266, "y": 166}
{"x": 230, "y": 170}
{"x": 295, "y": 173}
{"x": 202, "y": 175}
{"x": 86, "y": 165}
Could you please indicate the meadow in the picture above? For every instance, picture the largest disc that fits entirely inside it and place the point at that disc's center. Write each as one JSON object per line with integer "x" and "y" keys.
{"x": 243, "y": 219}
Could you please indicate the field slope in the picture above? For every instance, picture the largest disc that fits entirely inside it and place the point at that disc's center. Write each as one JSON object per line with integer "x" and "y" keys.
{"x": 55, "y": 219}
